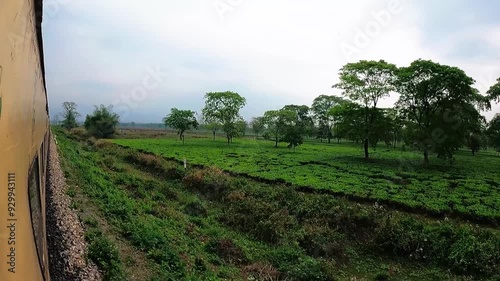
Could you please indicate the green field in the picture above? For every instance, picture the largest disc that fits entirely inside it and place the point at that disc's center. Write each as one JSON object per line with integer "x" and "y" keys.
{"x": 470, "y": 188}
{"x": 147, "y": 218}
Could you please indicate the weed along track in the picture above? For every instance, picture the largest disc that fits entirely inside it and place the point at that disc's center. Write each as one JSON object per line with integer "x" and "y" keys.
{"x": 205, "y": 224}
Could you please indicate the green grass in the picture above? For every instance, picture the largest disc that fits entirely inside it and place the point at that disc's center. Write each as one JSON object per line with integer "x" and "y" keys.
{"x": 470, "y": 188}
{"x": 206, "y": 225}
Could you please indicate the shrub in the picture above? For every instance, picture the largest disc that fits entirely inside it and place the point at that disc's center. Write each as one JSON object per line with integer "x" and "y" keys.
{"x": 261, "y": 271}
{"x": 382, "y": 276}
{"x": 196, "y": 209}
{"x": 210, "y": 182}
{"x": 156, "y": 164}
{"x": 105, "y": 255}
{"x": 102, "y": 122}
{"x": 78, "y": 133}
{"x": 227, "y": 250}
{"x": 320, "y": 241}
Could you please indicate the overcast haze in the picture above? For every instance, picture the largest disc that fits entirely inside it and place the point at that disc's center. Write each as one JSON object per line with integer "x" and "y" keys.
{"x": 148, "y": 56}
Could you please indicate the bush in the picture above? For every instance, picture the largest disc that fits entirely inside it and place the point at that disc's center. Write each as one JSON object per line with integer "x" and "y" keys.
{"x": 261, "y": 219}
{"x": 102, "y": 123}
{"x": 156, "y": 164}
{"x": 196, "y": 209}
{"x": 210, "y": 182}
{"x": 105, "y": 255}
{"x": 227, "y": 250}
{"x": 78, "y": 133}
{"x": 261, "y": 271}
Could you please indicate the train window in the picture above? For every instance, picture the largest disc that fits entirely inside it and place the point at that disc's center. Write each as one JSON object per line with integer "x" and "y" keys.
{"x": 36, "y": 209}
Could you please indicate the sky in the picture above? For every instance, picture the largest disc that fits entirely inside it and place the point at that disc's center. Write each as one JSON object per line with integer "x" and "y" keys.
{"x": 146, "y": 57}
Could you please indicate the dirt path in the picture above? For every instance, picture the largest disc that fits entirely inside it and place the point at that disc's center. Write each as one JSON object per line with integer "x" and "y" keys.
{"x": 65, "y": 234}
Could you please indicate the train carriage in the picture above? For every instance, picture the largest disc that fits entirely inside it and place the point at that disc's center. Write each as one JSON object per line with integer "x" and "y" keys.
{"x": 24, "y": 141}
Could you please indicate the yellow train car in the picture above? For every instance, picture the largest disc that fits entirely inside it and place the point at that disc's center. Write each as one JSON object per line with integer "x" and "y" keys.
{"x": 24, "y": 140}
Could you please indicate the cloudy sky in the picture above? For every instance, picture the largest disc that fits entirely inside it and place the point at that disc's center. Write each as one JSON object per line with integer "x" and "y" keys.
{"x": 148, "y": 56}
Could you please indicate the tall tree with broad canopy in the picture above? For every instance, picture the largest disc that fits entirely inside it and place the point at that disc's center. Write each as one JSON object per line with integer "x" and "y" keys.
{"x": 493, "y": 133}
{"x": 321, "y": 107}
{"x": 257, "y": 125}
{"x": 440, "y": 106}
{"x": 367, "y": 82}
{"x": 181, "y": 120}
{"x": 224, "y": 108}
{"x": 69, "y": 115}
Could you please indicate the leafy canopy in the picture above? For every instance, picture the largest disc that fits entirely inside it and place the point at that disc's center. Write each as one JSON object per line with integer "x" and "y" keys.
{"x": 439, "y": 105}
{"x": 224, "y": 108}
{"x": 181, "y": 120}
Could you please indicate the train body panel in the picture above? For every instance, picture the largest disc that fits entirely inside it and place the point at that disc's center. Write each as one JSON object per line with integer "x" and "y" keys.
{"x": 24, "y": 140}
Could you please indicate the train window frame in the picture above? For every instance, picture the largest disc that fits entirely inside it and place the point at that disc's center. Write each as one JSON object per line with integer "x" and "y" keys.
{"x": 34, "y": 177}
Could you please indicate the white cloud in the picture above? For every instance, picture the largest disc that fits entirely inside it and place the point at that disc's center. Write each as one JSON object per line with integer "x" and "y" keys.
{"x": 277, "y": 52}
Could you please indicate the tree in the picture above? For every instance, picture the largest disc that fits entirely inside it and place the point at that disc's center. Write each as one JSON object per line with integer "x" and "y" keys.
{"x": 493, "y": 132}
{"x": 258, "y": 125}
{"x": 102, "y": 123}
{"x": 224, "y": 108}
{"x": 367, "y": 82}
{"x": 277, "y": 122}
{"x": 181, "y": 120}
{"x": 69, "y": 115}
{"x": 321, "y": 107}
{"x": 494, "y": 92}
{"x": 349, "y": 116}
{"x": 439, "y": 105}
{"x": 296, "y": 128}
{"x": 241, "y": 127}
{"x": 474, "y": 143}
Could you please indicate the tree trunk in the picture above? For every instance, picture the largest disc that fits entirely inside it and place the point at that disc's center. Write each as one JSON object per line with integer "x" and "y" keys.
{"x": 366, "y": 144}
{"x": 183, "y": 139}
{"x": 426, "y": 156}
{"x": 213, "y": 132}
{"x": 276, "y": 144}
{"x": 329, "y": 140}
{"x": 228, "y": 139}
{"x": 473, "y": 152}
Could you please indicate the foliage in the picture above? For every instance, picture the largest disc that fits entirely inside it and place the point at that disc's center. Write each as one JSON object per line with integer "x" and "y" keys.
{"x": 257, "y": 125}
{"x": 321, "y": 108}
{"x": 367, "y": 82}
{"x": 493, "y": 132}
{"x": 181, "y": 120}
{"x": 494, "y": 92}
{"x": 224, "y": 108}
{"x": 277, "y": 122}
{"x": 105, "y": 255}
{"x": 102, "y": 122}
{"x": 69, "y": 115}
{"x": 474, "y": 143}
{"x": 439, "y": 104}
{"x": 241, "y": 127}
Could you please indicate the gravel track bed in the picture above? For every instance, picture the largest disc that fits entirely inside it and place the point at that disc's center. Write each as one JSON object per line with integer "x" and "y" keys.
{"x": 65, "y": 235}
